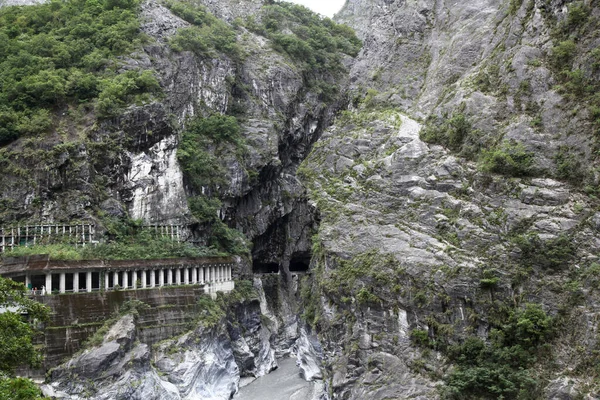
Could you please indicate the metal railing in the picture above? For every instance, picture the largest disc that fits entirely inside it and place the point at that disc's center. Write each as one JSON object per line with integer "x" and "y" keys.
{"x": 31, "y": 235}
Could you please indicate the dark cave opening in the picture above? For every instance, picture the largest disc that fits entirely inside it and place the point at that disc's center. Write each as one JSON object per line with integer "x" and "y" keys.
{"x": 264, "y": 268}
{"x": 300, "y": 262}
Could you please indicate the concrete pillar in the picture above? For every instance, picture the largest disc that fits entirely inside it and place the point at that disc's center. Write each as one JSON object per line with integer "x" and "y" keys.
{"x": 48, "y": 283}
{"x": 178, "y": 276}
{"x": 116, "y": 278}
{"x": 152, "y": 278}
{"x": 106, "y": 280}
{"x": 201, "y": 275}
{"x": 63, "y": 282}
{"x": 88, "y": 281}
{"x": 125, "y": 280}
{"x": 143, "y": 279}
{"x": 161, "y": 277}
{"x": 194, "y": 275}
{"x": 134, "y": 279}
{"x": 169, "y": 277}
{"x": 76, "y": 282}
{"x": 28, "y": 281}
{"x": 186, "y": 275}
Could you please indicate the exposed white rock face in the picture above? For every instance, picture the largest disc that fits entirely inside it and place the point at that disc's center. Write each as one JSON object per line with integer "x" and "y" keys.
{"x": 403, "y": 324}
{"x": 198, "y": 365}
{"x": 206, "y": 370}
{"x": 308, "y": 356}
{"x": 156, "y": 184}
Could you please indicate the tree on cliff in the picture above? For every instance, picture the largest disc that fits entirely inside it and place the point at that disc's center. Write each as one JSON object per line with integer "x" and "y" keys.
{"x": 20, "y": 318}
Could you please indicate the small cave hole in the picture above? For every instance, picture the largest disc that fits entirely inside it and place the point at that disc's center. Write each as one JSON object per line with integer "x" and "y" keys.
{"x": 300, "y": 262}
{"x": 265, "y": 268}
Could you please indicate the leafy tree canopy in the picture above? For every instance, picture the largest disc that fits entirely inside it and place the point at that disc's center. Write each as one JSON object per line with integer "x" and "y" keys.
{"x": 65, "y": 53}
{"x": 16, "y": 336}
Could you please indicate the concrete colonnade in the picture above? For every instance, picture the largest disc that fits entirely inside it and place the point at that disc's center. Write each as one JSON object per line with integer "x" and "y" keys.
{"x": 131, "y": 278}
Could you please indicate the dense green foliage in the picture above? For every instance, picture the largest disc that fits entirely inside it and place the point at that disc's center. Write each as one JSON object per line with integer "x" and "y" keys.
{"x": 201, "y": 168}
{"x": 511, "y": 159}
{"x": 16, "y": 334}
{"x": 450, "y": 132}
{"x": 206, "y": 34}
{"x": 499, "y": 369}
{"x": 64, "y": 53}
{"x": 550, "y": 254}
{"x": 16, "y": 337}
{"x": 317, "y": 44}
{"x": 205, "y": 173}
{"x": 19, "y": 389}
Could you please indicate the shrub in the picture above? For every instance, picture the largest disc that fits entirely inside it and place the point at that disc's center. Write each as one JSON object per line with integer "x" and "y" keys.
{"x": 547, "y": 254}
{"x": 19, "y": 389}
{"x": 364, "y": 296}
{"x": 448, "y": 132}
{"x": 420, "y": 337}
{"x": 489, "y": 279}
{"x": 500, "y": 369}
{"x": 511, "y": 159}
{"x": 568, "y": 165}
{"x": 115, "y": 93}
{"x": 562, "y": 54}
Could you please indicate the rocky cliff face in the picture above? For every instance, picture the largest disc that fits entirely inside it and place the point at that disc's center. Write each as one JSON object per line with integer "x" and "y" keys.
{"x": 226, "y": 342}
{"x": 455, "y": 191}
{"x": 127, "y": 165}
{"x": 445, "y": 199}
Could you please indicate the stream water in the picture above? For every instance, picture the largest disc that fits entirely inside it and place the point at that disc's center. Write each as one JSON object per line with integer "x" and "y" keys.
{"x": 285, "y": 383}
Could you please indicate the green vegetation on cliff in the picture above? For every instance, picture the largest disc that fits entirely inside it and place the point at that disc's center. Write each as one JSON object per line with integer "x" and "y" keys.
{"x": 502, "y": 368}
{"x": 62, "y": 54}
{"x": 16, "y": 336}
{"x": 126, "y": 239}
{"x": 206, "y": 36}
{"x": 316, "y": 44}
{"x": 205, "y": 173}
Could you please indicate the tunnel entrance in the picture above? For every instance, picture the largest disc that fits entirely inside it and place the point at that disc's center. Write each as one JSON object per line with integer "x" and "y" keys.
{"x": 300, "y": 262}
{"x": 264, "y": 268}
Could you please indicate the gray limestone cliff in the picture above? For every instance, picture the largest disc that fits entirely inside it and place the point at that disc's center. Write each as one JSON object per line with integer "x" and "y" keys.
{"x": 446, "y": 191}
{"x": 458, "y": 188}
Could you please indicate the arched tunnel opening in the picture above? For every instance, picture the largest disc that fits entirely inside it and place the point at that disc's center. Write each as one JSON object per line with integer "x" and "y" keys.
{"x": 300, "y": 262}
{"x": 264, "y": 268}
